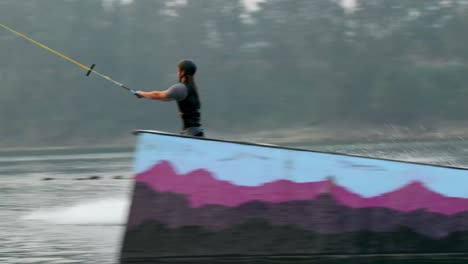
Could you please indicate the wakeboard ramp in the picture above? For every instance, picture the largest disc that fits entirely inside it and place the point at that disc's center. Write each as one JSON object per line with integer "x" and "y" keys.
{"x": 198, "y": 200}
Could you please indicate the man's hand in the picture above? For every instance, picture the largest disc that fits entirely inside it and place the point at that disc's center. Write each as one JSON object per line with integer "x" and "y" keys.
{"x": 136, "y": 93}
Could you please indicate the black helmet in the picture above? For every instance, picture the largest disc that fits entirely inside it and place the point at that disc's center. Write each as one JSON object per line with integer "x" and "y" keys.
{"x": 188, "y": 67}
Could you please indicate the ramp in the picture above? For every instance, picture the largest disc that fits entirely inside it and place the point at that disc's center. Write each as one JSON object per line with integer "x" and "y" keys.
{"x": 201, "y": 200}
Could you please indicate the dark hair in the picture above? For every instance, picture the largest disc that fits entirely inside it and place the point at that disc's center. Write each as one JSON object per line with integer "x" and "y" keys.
{"x": 189, "y": 81}
{"x": 188, "y": 67}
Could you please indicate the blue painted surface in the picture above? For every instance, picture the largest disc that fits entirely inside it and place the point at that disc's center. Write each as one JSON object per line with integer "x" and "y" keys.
{"x": 253, "y": 165}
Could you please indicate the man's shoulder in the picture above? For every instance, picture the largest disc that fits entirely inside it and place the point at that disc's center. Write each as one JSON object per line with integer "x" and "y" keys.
{"x": 177, "y": 91}
{"x": 178, "y": 86}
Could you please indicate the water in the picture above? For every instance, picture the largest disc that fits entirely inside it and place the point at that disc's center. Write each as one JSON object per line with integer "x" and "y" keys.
{"x": 67, "y": 220}
{"x": 63, "y": 220}
{"x": 446, "y": 153}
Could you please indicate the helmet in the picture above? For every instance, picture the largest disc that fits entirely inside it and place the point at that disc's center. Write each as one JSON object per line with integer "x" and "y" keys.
{"x": 188, "y": 67}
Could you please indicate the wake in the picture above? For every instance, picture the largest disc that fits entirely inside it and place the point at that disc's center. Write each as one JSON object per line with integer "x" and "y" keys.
{"x": 111, "y": 211}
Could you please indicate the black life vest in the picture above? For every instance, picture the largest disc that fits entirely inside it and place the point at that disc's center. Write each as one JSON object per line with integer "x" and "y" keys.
{"x": 190, "y": 108}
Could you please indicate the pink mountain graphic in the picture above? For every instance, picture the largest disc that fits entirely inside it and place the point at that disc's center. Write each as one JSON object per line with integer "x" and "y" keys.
{"x": 201, "y": 188}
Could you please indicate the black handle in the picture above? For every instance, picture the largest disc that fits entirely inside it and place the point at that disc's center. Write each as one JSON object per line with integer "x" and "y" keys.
{"x": 90, "y": 69}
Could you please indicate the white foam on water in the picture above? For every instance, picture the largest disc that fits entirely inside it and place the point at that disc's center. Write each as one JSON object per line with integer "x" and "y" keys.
{"x": 423, "y": 159}
{"x": 110, "y": 211}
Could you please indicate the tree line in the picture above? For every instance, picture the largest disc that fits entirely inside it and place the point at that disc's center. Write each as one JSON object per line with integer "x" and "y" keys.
{"x": 288, "y": 63}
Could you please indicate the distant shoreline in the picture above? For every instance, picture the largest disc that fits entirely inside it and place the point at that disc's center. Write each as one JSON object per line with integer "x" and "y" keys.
{"x": 65, "y": 147}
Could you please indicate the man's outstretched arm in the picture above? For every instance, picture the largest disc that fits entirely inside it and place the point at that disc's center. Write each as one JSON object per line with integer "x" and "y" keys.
{"x": 175, "y": 92}
{"x": 154, "y": 95}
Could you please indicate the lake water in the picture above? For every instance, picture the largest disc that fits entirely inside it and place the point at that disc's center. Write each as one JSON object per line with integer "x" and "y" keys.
{"x": 73, "y": 219}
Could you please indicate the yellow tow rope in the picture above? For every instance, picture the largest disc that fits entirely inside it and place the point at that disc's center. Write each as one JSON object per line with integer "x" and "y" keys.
{"x": 88, "y": 69}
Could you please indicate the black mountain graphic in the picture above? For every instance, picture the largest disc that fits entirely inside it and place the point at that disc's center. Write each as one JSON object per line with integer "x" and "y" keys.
{"x": 322, "y": 214}
{"x": 164, "y": 228}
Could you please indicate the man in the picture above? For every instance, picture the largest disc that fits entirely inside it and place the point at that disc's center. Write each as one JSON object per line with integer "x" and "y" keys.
{"x": 186, "y": 94}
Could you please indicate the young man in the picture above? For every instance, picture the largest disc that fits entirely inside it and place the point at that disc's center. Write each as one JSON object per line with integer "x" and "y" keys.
{"x": 186, "y": 94}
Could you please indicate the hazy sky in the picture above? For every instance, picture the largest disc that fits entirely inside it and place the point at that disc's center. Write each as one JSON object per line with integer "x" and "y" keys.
{"x": 251, "y": 5}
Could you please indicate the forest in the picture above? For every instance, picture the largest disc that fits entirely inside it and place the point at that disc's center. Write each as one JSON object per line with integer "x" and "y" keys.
{"x": 290, "y": 63}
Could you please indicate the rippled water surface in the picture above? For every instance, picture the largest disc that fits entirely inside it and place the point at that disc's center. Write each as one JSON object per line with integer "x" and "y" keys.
{"x": 68, "y": 218}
